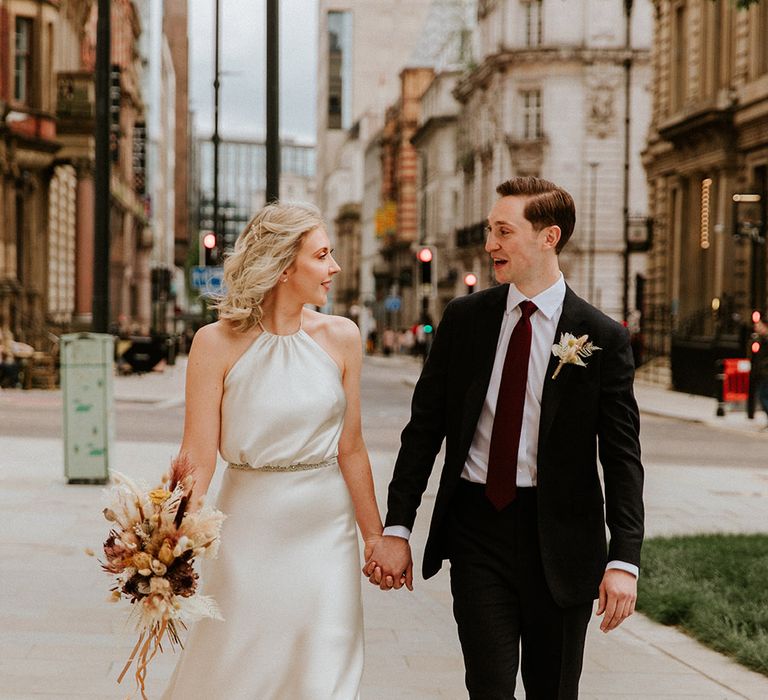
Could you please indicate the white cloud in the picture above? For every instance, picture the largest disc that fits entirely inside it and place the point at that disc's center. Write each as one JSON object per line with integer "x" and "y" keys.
{"x": 242, "y": 108}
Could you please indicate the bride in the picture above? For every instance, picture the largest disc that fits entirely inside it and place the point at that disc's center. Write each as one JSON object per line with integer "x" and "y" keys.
{"x": 274, "y": 387}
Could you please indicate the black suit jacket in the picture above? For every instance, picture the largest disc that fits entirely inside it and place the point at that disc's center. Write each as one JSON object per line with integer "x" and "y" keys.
{"x": 585, "y": 411}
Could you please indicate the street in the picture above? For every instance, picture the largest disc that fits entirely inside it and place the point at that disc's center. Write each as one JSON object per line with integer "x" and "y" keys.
{"x": 60, "y": 639}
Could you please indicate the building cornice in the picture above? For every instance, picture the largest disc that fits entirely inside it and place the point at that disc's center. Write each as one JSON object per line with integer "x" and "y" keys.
{"x": 703, "y": 120}
{"x": 430, "y": 125}
{"x": 480, "y": 76}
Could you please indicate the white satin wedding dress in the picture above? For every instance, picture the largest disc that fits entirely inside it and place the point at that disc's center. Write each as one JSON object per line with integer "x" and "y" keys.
{"x": 287, "y": 577}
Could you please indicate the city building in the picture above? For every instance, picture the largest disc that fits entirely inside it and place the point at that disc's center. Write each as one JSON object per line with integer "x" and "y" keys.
{"x": 162, "y": 163}
{"x": 445, "y": 46}
{"x": 399, "y": 192}
{"x": 363, "y": 45}
{"x": 47, "y": 159}
{"x": 33, "y": 227}
{"x": 561, "y": 91}
{"x": 243, "y": 181}
{"x": 707, "y": 166}
{"x": 175, "y": 30}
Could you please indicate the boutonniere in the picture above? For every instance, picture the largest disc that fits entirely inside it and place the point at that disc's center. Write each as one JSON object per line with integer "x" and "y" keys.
{"x": 571, "y": 349}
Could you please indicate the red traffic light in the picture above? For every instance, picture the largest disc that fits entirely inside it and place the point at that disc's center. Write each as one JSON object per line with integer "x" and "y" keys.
{"x": 755, "y": 317}
{"x": 755, "y": 347}
{"x": 470, "y": 279}
{"x": 209, "y": 241}
{"x": 424, "y": 255}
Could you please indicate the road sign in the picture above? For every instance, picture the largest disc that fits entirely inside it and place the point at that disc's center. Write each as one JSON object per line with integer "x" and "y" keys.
{"x": 208, "y": 280}
{"x": 393, "y": 303}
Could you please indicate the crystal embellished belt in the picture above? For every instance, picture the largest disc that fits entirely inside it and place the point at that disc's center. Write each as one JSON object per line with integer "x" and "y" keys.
{"x": 299, "y": 467}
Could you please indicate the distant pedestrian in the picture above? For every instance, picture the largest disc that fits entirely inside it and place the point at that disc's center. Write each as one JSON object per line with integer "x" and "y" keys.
{"x": 9, "y": 368}
{"x": 388, "y": 339}
{"x": 761, "y": 366}
{"x": 406, "y": 341}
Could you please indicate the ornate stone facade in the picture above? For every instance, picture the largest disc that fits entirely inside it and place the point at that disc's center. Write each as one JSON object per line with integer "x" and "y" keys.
{"x": 708, "y": 142}
{"x": 46, "y": 170}
{"x": 547, "y": 98}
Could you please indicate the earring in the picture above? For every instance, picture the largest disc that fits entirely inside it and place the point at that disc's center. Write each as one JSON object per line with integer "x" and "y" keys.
{"x": 285, "y": 279}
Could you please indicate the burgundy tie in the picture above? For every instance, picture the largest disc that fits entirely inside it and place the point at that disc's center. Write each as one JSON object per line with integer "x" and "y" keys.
{"x": 501, "y": 483}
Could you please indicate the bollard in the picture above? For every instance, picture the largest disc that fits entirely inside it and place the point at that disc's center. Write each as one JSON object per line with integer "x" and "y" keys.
{"x": 720, "y": 387}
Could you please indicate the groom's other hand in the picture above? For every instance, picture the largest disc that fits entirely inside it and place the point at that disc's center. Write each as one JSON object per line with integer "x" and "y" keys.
{"x": 618, "y": 594}
{"x": 390, "y": 564}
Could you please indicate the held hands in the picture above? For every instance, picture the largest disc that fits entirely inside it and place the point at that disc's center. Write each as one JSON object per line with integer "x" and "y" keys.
{"x": 388, "y": 563}
{"x": 618, "y": 593}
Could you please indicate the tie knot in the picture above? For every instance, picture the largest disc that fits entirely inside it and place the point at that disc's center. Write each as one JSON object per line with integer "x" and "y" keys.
{"x": 527, "y": 308}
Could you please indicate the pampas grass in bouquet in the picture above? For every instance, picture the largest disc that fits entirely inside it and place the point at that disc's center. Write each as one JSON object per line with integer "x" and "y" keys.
{"x": 155, "y": 537}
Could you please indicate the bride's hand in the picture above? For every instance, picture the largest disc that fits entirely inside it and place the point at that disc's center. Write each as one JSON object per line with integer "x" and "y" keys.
{"x": 370, "y": 543}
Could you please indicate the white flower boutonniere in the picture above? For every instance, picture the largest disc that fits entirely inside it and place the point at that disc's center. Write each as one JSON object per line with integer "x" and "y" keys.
{"x": 571, "y": 349}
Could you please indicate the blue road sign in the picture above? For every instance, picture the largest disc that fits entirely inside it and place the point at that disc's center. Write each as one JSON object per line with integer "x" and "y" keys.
{"x": 208, "y": 280}
{"x": 393, "y": 303}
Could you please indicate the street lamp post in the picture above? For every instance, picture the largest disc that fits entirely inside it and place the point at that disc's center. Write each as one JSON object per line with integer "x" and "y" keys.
{"x": 100, "y": 312}
{"x": 627, "y": 124}
{"x": 216, "y": 139}
{"x": 273, "y": 101}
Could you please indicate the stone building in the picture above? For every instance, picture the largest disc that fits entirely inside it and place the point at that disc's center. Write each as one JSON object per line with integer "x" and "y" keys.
{"x": 439, "y": 188}
{"x": 46, "y": 170}
{"x": 400, "y": 168}
{"x": 707, "y": 167}
{"x": 363, "y": 45}
{"x": 35, "y": 229}
{"x": 547, "y": 97}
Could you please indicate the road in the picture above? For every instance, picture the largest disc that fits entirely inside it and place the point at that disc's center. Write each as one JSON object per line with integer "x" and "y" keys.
{"x": 385, "y": 400}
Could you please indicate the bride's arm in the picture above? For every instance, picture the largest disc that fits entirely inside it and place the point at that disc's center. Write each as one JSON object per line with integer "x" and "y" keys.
{"x": 353, "y": 454}
{"x": 202, "y": 418}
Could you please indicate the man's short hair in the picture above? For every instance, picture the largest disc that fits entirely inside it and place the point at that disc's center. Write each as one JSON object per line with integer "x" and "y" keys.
{"x": 546, "y": 205}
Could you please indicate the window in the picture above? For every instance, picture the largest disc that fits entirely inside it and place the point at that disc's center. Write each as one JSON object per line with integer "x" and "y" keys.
{"x": 762, "y": 44}
{"x": 532, "y": 22}
{"x": 339, "y": 70}
{"x": 531, "y": 114}
{"x": 680, "y": 59}
{"x": 22, "y": 68}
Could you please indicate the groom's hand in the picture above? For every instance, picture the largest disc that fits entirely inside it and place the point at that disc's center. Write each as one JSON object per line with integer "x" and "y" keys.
{"x": 618, "y": 593}
{"x": 390, "y": 564}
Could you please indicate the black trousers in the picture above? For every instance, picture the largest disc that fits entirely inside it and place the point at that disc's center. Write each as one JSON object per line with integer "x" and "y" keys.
{"x": 505, "y": 613}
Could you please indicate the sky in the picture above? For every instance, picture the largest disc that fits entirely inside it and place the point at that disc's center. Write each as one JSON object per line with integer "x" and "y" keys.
{"x": 242, "y": 107}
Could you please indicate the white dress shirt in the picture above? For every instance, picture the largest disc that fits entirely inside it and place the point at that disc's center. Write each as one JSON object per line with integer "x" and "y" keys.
{"x": 544, "y": 320}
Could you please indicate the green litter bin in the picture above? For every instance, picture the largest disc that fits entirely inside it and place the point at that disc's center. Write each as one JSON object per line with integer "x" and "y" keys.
{"x": 86, "y": 378}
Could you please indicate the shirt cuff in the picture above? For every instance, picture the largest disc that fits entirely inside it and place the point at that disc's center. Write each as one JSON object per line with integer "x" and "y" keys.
{"x": 397, "y": 531}
{"x": 623, "y": 566}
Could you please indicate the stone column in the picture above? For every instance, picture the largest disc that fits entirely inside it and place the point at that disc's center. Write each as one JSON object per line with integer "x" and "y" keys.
{"x": 84, "y": 251}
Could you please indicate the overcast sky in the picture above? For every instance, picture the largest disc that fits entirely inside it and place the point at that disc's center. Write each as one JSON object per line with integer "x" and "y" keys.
{"x": 242, "y": 108}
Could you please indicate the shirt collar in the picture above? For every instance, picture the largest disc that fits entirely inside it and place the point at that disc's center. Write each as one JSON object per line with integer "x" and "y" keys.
{"x": 548, "y": 301}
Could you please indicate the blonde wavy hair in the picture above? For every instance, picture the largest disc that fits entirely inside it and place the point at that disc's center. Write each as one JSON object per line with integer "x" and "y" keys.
{"x": 263, "y": 251}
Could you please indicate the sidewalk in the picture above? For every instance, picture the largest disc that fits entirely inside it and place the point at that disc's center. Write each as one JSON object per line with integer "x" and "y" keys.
{"x": 658, "y": 401}
{"x": 60, "y": 639}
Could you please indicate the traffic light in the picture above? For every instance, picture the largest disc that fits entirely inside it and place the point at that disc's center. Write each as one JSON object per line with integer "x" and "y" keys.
{"x": 470, "y": 280}
{"x": 424, "y": 256}
{"x": 209, "y": 245}
{"x": 755, "y": 338}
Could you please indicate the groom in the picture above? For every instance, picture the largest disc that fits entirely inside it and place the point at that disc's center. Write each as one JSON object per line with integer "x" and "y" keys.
{"x": 520, "y": 511}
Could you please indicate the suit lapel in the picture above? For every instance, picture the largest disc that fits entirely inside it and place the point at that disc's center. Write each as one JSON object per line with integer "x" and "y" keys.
{"x": 487, "y": 328}
{"x": 552, "y": 393}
